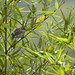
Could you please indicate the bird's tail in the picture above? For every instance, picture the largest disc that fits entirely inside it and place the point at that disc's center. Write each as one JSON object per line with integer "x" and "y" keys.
{"x": 12, "y": 36}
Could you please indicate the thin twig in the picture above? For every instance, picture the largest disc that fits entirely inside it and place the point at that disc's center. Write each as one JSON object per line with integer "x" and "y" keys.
{"x": 5, "y": 41}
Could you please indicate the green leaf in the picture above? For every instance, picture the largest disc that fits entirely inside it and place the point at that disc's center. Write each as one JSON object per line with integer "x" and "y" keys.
{"x": 43, "y": 33}
{"x": 50, "y": 0}
{"x": 25, "y": 62}
{"x": 67, "y": 67}
{"x": 6, "y": 26}
{"x": 63, "y": 15}
{"x": 73, "y": 29}
{"x": 34, "y": 53}
{"x": 59, "y": 53}
{"x": 56, "y": 4}
{"x": 58, "y": 38}
{"x": 70, "y": 47}
{"x": 2, "y": 2}
{"x": 47, "y": 73}
{"x": 53, "y": 8}
{"x": 1, "y": 50}
{"x": 53, "y": 70}
{"x": 33, "y": 8}
{"x": 70, "y": 58}
{"x": 61, "y": 71}
{"x": 74, "y": 42}
{"x": 18, "y": 10}
{"x": 47, "y": 12}
{"x": 49, "y": 57}
{"x": 39, "y": 1}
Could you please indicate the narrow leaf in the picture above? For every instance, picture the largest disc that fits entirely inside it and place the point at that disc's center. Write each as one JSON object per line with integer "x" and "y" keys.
{"x": 56, "y": 4}
{"x": 18, "y": 10}
{"x": 47, "y": 12}
{"x": 67, "y": 67}
{"x": 1, "y": 50}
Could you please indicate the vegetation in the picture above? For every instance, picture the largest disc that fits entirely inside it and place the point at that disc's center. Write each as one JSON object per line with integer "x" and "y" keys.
{"x": 44, "y": 48}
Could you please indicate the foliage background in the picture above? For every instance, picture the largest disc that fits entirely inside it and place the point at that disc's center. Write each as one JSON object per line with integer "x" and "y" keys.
{"x": 48, "y": 44}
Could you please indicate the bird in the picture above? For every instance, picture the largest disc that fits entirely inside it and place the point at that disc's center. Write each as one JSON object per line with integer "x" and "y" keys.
{"x": 18, "y": 33}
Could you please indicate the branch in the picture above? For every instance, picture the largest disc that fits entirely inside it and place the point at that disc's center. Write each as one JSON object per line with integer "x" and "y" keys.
{"x": 20, "y": 39}
{"x": 5, "y": 41}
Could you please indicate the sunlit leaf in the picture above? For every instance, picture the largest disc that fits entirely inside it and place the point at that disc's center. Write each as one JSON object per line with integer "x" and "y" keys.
{"x": 39, "y": 27}
{"x": 59, "y": 38}
{"x": 56, "y": 4}
{"x": 34, "y": 53}
{"x": 49, "y": 73}
{"x": 50, "y": 0}
{"x": 67, "y": 67}
{"x": 18, "y": 10}
{"x": 70, "y": 58}
{"x": 74, "y": 41}
{"x": 53, "y": 70}
{"x": 49, "y": 58}
{"x": 61, "y": 72}
{"x": 25, "y": 62}
{"x": 43, "y": 33}
{"x": 59, "y": 53}
{"x": 39, "y": 1}
{"x": 47, "y": 12}
{"x": 70, "y": 47}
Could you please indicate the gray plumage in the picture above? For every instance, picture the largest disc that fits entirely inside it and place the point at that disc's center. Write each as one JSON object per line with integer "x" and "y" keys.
{"x": 18, "y": 33}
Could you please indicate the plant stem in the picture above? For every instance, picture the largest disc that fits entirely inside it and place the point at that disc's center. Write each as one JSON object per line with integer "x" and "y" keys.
{"x": 5, "y": 37}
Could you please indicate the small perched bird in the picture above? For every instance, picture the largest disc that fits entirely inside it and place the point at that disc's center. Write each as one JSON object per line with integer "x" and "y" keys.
{"x": 18, "y": 33}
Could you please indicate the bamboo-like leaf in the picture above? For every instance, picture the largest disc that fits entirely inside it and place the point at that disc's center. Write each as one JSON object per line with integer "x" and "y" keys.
{"x": 63, "y": 15}
{"x": 56, "y": 4}
{"x": 2, "y": 2}
{"x": 50, "y": 0}
{"x": 43, "y": 33}
{"x": 34, "y": 53}
{"x": 74, "y": 41}
{"x": 49, "y": 58}
{"x": 58, "y": 38}
{"x": 47, "y": 12}
{"x": 33, "y": 8}
{"x": 70, "y": 58}
{"x": 39, "y": 27}
{"x": 49, "y": 73}
{"x": 39, "y": 1}
{"x": 6, "y": 26}
{"x": 26, "y": 61}
{"x": 18, "y": 10}
{"x": 53, "y": 70}
{"x": 53, "y": 8}
{"x": 14, "y": 53}
{"x": 61, "y": 72}
{"x": 67, "y": 67}
{"x": 43, "y": 44}
{"x": 70, "y": 47}
{"x": 1, "y": 50}
{"x": 59, "y": 53}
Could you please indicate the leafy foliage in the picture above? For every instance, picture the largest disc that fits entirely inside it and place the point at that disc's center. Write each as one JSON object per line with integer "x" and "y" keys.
{"x": 45, "y": 46}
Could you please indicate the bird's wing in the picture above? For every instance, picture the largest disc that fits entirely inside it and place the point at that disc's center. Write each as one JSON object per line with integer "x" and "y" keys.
{"x": 18, "y": 31}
